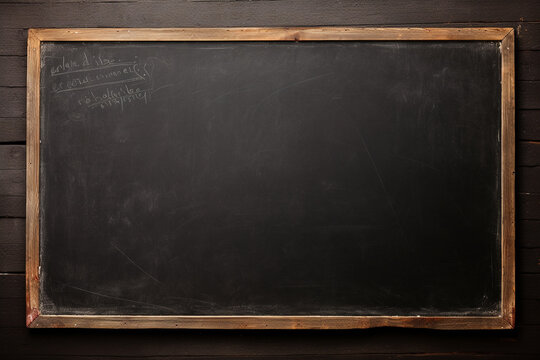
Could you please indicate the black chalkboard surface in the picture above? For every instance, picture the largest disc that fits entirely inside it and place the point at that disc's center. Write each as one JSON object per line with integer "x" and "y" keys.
{"x": 270, "y": 178}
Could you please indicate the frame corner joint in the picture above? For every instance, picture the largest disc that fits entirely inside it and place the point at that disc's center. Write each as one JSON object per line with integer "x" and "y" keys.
{"x": 31, "y": 317}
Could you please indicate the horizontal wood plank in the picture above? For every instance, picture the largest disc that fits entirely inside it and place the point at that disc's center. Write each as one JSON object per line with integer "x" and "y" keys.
{"x": 12, "y": 245}
{"x": 527, "y": 233}
{"x": 452, "y": 356}
{"x": 528, "y": 153}
{"x": 13, "y": 182}
{"x": 528, "y": 179}
{"x": 13, "y": 102}
{"x": 12, "y": 206}
{"x": 528, "y": 124}
{"x": 529, "y": 286}
{"x": 528, "y": 206}
{"x": 528, "y": 312}
{"x": 172, "y": 13}
{"x": 528, "y": 36}
{"x": 12, "y": 157}
{"x": 527, "y": 94}
{"x": 528, "y": 261}
{"x": 13, "y": 42}
{"x": 12, "y": 130}
{"x": 528, "y": 65}
{"x": 13, "y": 71}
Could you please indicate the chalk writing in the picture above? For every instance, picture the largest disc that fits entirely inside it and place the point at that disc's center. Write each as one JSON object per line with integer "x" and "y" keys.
{"x": 112, "y": 74}
{"x": 115, "y": 96}
{"x": 101, "y": 82}
{"x": 74, "y": 65}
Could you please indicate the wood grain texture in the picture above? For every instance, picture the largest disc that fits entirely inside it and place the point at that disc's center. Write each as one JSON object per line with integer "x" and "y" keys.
{"x": 12, "y": 157}
{"x": 508, "y": 211}
{"x": 12, "y": 130}
{"x": 527, "y": 98}
{"x": 528, "y": 65}
{"x": 172, "y": 13}
{"x": 528, "y": 179}
{"x": 12, "y": 206}
{"x": 11, "y": 75}
{"x": 529, "y": 35}
{"x": 13, "y": 42}
{"x": 530, "y": 284}
{"x": 529, "y": 206}
{"x": 32, "y": 179}
{"x": 270, "y": 34}
{"x": 454, "y": 356}
{"x": 528, "y": 153}
{"x": 12, "y": 182}
{"x": 529, "y": 312}
{"x": 529, "y": 261}
{"x": 527, "y": 233}
{"x": 528, "y": 125}
{"x": 13, "y": 102}
{"x": 267, "y": 322}
{"x": 11, "y": 246}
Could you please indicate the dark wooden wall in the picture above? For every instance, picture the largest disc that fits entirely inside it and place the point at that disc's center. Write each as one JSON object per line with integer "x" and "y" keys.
{"x": 18, "y": 342}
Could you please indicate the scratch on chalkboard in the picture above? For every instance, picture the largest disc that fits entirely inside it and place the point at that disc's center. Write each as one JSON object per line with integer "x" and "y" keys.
{"x": 160, "y": 88}
{"x": 419, "y": 162}
{"x": 119, "y": 298}
{"x": 387, "y": 195}
{"x": 187, "y": 221}
{"x": 217, "y": 48}
{"x": 136, "y": 265}
{"x": 288, "y": 86}
{"x": 233, "y": 91}
{"x": 299, "y": 83}
{"x": 193, "y": 300}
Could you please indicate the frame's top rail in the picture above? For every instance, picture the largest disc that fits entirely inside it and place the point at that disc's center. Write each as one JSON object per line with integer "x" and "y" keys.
{"x": 269, "y": 34}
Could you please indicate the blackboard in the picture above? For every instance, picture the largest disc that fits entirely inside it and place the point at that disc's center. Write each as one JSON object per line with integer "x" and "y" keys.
{"x": 320, "y": 179}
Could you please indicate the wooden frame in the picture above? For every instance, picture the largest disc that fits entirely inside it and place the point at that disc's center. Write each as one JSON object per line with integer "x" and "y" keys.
{"x": 505, "y": 320}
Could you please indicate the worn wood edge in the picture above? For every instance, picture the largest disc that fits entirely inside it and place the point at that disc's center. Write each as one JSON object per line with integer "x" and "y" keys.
{"x": 504, "y": 321}
{"x": 32, "y": 178}
{"x": 508, "y": 179}
{"x": 269, "y": 322}
{"x": 270, "y": 34}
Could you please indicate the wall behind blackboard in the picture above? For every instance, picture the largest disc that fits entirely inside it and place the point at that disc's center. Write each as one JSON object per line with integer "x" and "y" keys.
{"x": 18, "y": 342}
